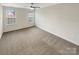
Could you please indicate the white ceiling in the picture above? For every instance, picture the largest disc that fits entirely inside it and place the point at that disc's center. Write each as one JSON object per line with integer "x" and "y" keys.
{"x": 27, "y": 5}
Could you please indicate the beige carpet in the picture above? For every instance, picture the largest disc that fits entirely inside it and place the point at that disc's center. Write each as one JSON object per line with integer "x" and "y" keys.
{"x": 34, "y": 41}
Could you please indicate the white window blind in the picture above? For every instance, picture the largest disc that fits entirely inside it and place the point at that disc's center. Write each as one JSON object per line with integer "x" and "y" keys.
{"x": 11, "y": 21}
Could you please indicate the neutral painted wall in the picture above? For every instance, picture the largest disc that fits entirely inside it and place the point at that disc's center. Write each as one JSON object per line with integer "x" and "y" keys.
{"x": 1, "y": 23}
{"x": 21, "y": 20}
{"x": 61, "y": 20}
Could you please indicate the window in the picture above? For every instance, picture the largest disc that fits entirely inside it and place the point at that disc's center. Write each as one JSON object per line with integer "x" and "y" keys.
{"x": 11, "y": 16}
{"x": 31, "y": 16}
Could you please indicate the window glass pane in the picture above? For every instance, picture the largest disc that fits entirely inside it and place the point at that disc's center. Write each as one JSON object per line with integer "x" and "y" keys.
{"x": 10, "y": 12}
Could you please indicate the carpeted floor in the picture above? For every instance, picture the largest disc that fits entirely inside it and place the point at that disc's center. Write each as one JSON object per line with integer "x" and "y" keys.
{"x": 34, "y": 41}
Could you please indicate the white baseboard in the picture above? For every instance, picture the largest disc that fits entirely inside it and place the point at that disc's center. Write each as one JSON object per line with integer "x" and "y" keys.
{"x": 58, "y": 36}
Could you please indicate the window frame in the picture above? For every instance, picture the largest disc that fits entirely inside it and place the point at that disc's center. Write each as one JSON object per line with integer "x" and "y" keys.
{"x": 7, "y": 18}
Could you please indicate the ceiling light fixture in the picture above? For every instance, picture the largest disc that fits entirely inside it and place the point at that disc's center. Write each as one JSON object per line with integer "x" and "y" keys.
{"x": 33, "y": 5}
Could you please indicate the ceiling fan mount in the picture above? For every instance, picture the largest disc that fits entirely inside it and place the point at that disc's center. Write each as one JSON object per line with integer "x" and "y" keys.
{"x": 33, "y": 5}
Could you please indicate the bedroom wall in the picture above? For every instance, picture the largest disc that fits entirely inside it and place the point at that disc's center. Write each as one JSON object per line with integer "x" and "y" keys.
{"x": 21, "y": 20}
{"x": 1, "y": 22}
{"x": 61, "y": 20}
